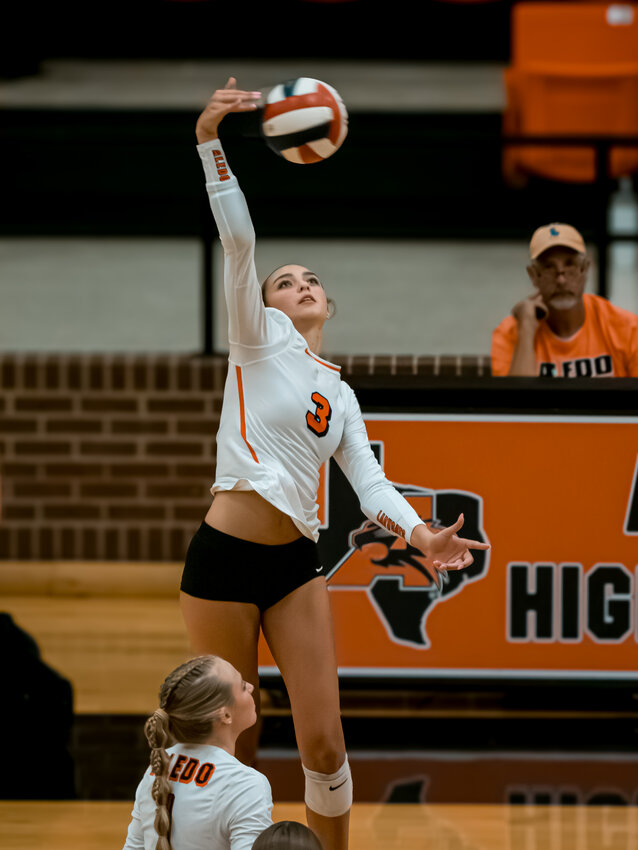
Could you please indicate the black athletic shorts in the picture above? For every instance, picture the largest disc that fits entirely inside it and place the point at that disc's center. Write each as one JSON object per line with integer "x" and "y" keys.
{"x": 227, "y": 569}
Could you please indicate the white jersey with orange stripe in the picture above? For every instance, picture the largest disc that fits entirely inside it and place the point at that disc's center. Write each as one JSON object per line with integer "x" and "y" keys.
{"x": 216, "y": 802}
{"x": 286, "y": 410}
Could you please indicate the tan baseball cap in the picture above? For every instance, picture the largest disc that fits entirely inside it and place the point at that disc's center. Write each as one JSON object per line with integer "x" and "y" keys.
{"x": 551, "y": 235}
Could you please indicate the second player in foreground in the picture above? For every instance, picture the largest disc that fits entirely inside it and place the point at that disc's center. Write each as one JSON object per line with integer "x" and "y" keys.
{"x": 253, "y": 564}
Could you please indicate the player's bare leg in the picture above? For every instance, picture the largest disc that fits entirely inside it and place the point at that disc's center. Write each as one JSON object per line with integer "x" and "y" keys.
{"x": 299, "y": 632}
{"x": 230, "y": 630}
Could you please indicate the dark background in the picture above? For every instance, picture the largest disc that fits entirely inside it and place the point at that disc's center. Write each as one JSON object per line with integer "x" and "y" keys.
{"x": 424, "y": 175}
{"x": 433, "y": 30}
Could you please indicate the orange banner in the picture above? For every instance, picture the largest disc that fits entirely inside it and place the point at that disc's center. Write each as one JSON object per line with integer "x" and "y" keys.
{"x": 555, "y": 596}
{"x": 456, "y": 776}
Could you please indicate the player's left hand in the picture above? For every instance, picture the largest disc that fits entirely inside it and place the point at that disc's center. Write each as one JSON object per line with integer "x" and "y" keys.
{"x": 445, "y": 549}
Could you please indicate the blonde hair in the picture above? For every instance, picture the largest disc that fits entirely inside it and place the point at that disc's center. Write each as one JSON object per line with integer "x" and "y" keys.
{"x": 190, "y": 698}
{"x": 287, "y": 835}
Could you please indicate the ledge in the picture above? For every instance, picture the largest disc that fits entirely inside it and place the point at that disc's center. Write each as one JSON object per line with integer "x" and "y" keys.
{"x": 130, "y": 579}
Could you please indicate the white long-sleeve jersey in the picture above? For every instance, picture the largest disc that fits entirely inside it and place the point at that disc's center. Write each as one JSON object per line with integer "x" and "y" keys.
{"x": 218, "y": 803}
{"x": 286, "y": 410}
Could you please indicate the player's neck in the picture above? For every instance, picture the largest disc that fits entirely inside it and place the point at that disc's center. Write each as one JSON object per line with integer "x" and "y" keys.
{"x": 565, "y": 323}
{"x": 313, "y": 336}
{"x": 224, "y": 738}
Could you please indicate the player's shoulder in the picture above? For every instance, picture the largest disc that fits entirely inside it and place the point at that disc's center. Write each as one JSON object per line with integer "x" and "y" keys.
{"x": 255, "y": 778}
{"x": 278, "y": 317}
{"x": 280, "y": 323}
{"x": 240, "y": 781}
{"x": 348, "y": 395}
{"x": 232, "y": 764}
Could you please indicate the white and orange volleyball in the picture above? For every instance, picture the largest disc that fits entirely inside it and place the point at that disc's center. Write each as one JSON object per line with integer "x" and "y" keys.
{"x": 304, "y": 120}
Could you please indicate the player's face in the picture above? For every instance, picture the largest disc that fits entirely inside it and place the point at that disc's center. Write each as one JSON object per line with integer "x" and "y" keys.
{"x": 560, "y": 275}
{"x": 242, "y": 711}
{"x": 297, "y": 292}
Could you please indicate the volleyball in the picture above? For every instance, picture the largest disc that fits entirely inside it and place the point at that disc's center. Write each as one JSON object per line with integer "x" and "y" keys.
{"x": 304, "y": 120}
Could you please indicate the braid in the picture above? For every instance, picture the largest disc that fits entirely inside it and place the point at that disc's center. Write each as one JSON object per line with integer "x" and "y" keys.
{"x": 157, "y": 735}
{"x": 180, "y": 676}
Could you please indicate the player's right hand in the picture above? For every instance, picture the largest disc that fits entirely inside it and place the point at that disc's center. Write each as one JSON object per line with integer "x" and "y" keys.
{"x": 531, "y": 310}
{"x": 223, "y": 101}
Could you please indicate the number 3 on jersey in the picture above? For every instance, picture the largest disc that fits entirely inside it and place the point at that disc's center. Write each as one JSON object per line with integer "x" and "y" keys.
{"x": 319, "y": 421}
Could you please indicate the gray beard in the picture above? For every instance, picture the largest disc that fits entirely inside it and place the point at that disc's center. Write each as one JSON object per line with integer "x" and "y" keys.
{"x": 563, "y": 302}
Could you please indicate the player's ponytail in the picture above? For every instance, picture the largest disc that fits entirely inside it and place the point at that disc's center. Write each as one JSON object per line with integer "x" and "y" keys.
{"x": 157, "y": 735}
{"x": 191, "y": 698}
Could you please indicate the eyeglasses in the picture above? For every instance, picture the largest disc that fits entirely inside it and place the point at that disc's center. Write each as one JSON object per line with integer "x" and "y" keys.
{"x": 553, "y": 271}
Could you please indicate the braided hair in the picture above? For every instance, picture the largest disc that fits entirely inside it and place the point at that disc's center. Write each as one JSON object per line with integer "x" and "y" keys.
{"x": 190, "y": 698}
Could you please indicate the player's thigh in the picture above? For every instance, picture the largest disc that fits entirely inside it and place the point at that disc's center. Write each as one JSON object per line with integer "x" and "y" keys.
{"x": 299, "y": 631}
{"x": 227, "y": 629}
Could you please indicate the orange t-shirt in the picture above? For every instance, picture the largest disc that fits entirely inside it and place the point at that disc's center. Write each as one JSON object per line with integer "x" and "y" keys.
{"x": 605, "y": 346}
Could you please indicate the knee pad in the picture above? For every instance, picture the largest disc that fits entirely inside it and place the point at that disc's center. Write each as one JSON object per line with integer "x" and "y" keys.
{"x": 329, "y": 794}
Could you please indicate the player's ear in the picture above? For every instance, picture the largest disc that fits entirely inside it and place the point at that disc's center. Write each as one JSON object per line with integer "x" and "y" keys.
{"x": 532, "y": 274}
{"x": 224, "y": 716}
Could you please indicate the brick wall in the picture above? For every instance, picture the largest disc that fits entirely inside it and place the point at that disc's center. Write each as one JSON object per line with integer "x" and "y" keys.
{"x": 112, "y": 457}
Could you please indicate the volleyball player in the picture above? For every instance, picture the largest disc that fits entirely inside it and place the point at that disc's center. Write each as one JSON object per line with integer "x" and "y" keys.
{"x": 196, "y": 794}
{"x": 253, "y": 563}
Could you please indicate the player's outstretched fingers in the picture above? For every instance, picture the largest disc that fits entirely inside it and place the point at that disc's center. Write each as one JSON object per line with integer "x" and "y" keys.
{"x": 456, "y": 526}
{"x": 223, "y": 101}
{"x": 230, "y": 99}
{"x": 457, "y": 564}
{"x": 474, "y": 544}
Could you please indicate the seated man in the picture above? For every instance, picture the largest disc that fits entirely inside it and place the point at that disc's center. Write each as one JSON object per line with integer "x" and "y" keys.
{"x": 559, "y": 331}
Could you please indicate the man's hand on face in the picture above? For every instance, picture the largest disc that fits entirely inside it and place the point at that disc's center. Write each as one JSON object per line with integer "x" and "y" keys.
{"x": 530, "y": 311}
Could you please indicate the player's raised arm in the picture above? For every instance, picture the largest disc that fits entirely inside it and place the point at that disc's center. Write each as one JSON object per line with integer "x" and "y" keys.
{"x": 247, "y": 321}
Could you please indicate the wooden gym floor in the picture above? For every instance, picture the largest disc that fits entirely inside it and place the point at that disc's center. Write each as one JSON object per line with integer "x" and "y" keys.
{"x": 102, "y": 825}
{"x": 114, "y": 630}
